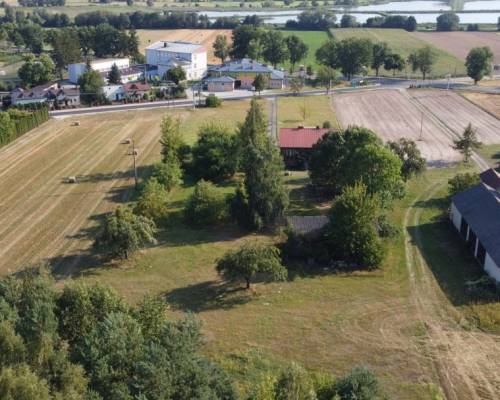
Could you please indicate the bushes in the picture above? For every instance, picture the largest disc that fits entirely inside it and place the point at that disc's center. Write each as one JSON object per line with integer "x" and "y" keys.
{"x": 359, "y": 384}
{"x": 206, "y": 205}
{"x": 168, "y": 173}
{"x": 214, "y": 155}
{"x": 153, "y": 200}
{"x": 462, "y": 182}
{"x": 212, "y": 101}
{"x": 16, "y": 122}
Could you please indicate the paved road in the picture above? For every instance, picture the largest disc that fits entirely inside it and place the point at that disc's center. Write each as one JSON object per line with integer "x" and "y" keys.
{"x": 375, "y": 83}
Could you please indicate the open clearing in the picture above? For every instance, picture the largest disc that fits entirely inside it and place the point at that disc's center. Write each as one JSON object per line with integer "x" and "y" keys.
{"x": 202, "y": 36}
{"x": 404, "y": 43}
{"x": 460, "y": 43}
{"x": 489, "y": 102}
{"x": 367, "y": 108}
{"x": 456, "y": 112}
{"x": 43, "y": 217}
{"x": 313, "y": 39}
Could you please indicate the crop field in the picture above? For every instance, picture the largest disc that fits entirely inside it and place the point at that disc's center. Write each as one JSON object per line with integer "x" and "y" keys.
{"x": 202, "y": 36}
{"x": 488, "y": 102}
{"x": 456, "y": 112}
{"x": 460, "y": 43}
{"x": 372, "y": 110}
{"x": 45, "y": 218}
{"x": 404, "y": 43}
{"x": 313, "y": 39}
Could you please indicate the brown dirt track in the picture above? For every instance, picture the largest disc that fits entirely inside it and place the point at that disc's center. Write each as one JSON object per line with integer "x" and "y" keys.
{"x": 43, "y": 217}
{"x": 460, "y": 43}
{"x": 371, "y": 108}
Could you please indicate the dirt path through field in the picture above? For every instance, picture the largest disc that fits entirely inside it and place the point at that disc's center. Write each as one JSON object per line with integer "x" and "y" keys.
{"x": 466, "y": 361}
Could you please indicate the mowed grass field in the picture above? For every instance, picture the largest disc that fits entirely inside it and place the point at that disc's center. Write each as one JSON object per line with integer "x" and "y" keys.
{"x": 45, "y": 218}
{"x": 205, "y": 37}
{"x": 315, "y": 109}
{"x": 404, "y": 43}
{"x": 313, "y": 39}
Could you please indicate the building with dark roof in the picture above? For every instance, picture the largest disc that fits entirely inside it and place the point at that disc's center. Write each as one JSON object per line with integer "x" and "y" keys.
{"x": 245, "y": 70}
{"x": 296, "y": 144}
{"x": 475, "y": 213}
{"x": 220, "y": 84}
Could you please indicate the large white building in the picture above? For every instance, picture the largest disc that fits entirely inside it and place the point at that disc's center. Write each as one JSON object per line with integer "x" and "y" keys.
{"x": 191, "y": 57}
{"x": 475, "y": 213}
{"x": 103, "y": 66}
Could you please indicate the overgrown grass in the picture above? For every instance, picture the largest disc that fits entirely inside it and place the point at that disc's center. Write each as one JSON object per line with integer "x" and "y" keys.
{"x": 315, "y": 109}
{"x": 491, "y": 153}
{"x": 404, "y": 43}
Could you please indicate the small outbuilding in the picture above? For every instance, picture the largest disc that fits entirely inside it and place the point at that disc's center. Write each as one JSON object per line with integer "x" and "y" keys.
{"x": 475, "y": 213}
{"x": 296, "y": 144}
{"x": 220, "y": 84}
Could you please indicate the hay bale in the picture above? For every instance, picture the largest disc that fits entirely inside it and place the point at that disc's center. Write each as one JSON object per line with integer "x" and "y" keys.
{"x": 71, "y": 179}
{"x": 127, "y": 141}
{"x": 76, "y": 123}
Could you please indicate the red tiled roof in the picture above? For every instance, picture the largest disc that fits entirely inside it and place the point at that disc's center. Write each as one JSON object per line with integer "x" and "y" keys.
{"x": 136, "y": 86}
{"x": 300, "y": 138}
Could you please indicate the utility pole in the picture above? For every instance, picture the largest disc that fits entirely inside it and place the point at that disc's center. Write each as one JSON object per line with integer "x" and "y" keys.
{"x": 134, "y": 155}
{"x": 421, "y": 127}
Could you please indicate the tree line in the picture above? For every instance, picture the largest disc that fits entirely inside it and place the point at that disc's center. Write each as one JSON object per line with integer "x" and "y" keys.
{"x": 16, "y": 122}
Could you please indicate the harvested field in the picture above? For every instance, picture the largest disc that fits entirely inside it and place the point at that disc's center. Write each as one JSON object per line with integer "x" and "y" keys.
{"x": 488, "y": 102}
{"x": 203, "y": 36}
{"x": 460, "y": 43}
{"x": 393, "y": 115}
{"x": 456, "y": 112}
{"x": 45, "y": 218}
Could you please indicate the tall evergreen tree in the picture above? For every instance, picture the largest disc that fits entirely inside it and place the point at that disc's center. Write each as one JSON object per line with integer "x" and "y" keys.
{"x": 114, "y": 75}
{"x": 265, "y": 195}
{"x": 467, "y": 143}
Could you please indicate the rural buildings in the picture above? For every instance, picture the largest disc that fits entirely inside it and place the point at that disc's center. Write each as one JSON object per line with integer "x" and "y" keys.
{"x": 191, "y": 57}
{"x": 51, "y": 93}
{"x": 220, "y": 84}
{"x": 475, "y": 213}
{"x": 103, "y": 66}
{"x": 244, "y": 72}
{"x": 296, "y": 144}
{"x": 129, "y": 91}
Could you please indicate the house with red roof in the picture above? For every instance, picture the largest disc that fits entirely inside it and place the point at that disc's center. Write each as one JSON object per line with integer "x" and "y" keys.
{"x": 296, "y": 144}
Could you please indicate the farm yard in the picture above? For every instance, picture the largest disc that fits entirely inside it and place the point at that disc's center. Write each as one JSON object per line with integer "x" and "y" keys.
{"x": 365, "y": 108}
{"x": 460, "y": 43}
{"x": 202, "y": 36}
{"x": 43, "y": 217}
{"x": 404, "y": 43}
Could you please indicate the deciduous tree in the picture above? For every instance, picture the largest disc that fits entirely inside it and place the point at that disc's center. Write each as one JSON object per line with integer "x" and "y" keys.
{"x": 412, "y": 161}
{"x": 91, "y": 84}
{"x": 206, "y": 206}
{"x": 274, "y": 47}
{"x": 467, "y": 143}
{"x": 260, "y": 83}
{"x": 380, "y": 52}
{"x": 221, "y": 47}
{"x": 478, "y": 63}
{"x": 423, "y": 60}
{"x": 297, "y": 50}
{"x": 153, "y": 201}
{"x": 36, "y": 71}
{"x": 250, "y": 259}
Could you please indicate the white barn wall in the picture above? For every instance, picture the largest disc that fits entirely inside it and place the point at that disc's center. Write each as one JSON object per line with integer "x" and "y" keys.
{"x": 456, "y": 217}
{"x": 491, "y": 268}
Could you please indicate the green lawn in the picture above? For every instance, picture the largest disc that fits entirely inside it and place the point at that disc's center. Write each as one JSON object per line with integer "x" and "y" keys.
{"x": 404, "y": 43}
{"x": 316, "y": 109}
{"x": 491, "y": 153}
{"x": 313, "y": 39}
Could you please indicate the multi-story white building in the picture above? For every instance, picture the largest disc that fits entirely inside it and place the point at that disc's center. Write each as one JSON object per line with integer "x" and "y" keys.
{"x": 103, "y": 66}
{"x": 191, "y": 57}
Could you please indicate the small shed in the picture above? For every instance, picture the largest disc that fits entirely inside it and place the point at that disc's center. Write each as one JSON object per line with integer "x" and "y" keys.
{"x": 220, "y": 84}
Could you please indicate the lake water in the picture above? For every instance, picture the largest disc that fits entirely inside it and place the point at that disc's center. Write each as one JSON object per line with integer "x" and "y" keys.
{"x": 406, "y": 8}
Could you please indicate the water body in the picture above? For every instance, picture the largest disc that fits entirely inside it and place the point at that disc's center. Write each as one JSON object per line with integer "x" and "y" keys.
{"x": 362, "y": 13}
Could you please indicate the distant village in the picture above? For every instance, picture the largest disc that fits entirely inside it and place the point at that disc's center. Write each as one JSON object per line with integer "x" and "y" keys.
{"x": 139, "y": 82}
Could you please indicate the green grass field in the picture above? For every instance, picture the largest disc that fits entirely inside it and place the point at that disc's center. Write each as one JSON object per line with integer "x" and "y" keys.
{"x": 491, "y": 153}
{"x": 404, "y": 43}
{"x": 313, "y": 39}
{"x": 316, "y": 109}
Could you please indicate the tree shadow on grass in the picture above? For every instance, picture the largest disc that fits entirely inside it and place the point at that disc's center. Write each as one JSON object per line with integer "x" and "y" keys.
{"x": 206, "y": 296}
{"x": 449, "y": 259}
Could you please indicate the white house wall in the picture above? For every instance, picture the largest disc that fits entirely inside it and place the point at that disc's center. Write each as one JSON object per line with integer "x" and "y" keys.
{"x": 491, "y": 268}
{"x": 456, "y": 217}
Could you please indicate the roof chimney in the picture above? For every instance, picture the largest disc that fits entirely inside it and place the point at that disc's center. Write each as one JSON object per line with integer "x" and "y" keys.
{"x": 164, "y": 44}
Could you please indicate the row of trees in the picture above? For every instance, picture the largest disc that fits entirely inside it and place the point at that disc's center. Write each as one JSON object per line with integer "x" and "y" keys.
{"x": 387, "y": 22}
{"x": 258, "y": 43}
{"x": 16, "y": 122}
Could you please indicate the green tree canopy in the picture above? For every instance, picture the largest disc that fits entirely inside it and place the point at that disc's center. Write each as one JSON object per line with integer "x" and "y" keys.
{"x": 124, "y": 232}
{"x": 176, "y": 75}
{"x": 36, "y": 71}
{"x": 274, "y": 47}
{"x": 66, "y": 48}
{"x": 360, "y": 384}
{"x": 171, "y": 138}
{"x": 478, "y": 63}
{"x": 214, "y": 154}
{"x": 351, "y": 233}
{"x": 412, "y": 161}
{"x": 448, "y": 21}
{"x": 206, "y": 206}
{"x": 423, "y": 60}
{"x": 461, "y": 182}
{"x": 394, "y": 62}
{"x": 221, "y": 47}
{"x": 467, "y": 143}
{"x": 114, "y": 75}
{"x": 294, "y": 383}
{"x": 297, "y": 49}
{"x": 153, "y": 201}
{"x": 260, "y": 82}
{"x": 91, "y": 84}
{"x": 249, "y": 259}
{"x": 380, "y": 53}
